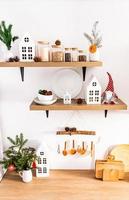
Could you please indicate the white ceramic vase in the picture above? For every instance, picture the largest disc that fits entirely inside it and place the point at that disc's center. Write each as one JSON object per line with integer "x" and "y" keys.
{"x": 26, "y": 175}
{"x": 5, "y": 54}
{"x": 94, "y": 56}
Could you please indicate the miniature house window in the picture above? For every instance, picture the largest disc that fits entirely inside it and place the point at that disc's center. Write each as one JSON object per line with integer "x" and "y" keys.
{"x": 44, "y": 161}
{"x": 39, "y": 170}
{"x": 97, "y": 92}
{"x": 41, "y": 153}
{"x": 26, "y": 39}
{"x": 24, "y": 56}
{"x": 91, "y": 92}
{"x": 30, "y": 57}
{"x": 23, "y": 49}
{"x": 90, "y": 99}
{"x": 96, "y": 99}
{"x": 39, "y": 160}
{"x": 44, "y": 170}
{"x": 29, "y": 49}
{"x": 94, "y": 83}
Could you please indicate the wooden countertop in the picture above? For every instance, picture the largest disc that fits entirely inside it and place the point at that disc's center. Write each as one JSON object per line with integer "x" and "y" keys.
{"x": 63, "y": 185}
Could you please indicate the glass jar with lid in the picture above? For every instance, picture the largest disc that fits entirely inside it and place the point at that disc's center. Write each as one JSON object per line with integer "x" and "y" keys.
{"x": 82, "y": 56}
{"x": 57, "y": 52}
{"x": 68, "y": 55}
{"x": 74, "y": 54}
{"x": 43, "y": 50}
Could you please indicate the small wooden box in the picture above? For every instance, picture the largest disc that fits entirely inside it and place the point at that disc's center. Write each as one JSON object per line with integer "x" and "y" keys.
{"x": 102, "y": 165}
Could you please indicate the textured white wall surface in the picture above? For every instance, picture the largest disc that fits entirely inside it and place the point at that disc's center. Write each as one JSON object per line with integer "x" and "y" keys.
{"x": 67, "y": 20}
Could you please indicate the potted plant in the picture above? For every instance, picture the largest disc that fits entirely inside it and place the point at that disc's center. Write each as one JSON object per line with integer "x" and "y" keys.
{"x": 7, "y": 38}
{"x": 95, "y": 43}
{"x": 20, "y": 158}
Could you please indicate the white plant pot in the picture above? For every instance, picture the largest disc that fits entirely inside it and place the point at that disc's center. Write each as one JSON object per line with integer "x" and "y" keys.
{"x": 9, "y": 54}
{"x": 26, "y": 175}
{"x": 94, "y": 56}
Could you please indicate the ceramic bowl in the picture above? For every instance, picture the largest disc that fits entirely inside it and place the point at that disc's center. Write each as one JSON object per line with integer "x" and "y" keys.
{"x": 42, "y": 97}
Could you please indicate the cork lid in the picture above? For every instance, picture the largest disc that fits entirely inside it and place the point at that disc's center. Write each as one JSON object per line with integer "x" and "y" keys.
{"x": 74, "y": 49}
{"x": 80, "y": 51}
{"x": 42, "y": 42}
{"x": 67, "y": 49}
{"x": 56, "y": 46}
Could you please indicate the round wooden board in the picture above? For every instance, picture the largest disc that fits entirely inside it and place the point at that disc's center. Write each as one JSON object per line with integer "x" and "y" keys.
{"x": 121, "y": 152}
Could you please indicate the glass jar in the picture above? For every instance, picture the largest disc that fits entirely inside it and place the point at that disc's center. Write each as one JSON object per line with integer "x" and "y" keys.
{"x": 74, "y": 54}
{"x": 57, "y": 53}
{"x": 68, "y": 55}
{"x": 82, "y": 56}
{"x": 43, "y": 50}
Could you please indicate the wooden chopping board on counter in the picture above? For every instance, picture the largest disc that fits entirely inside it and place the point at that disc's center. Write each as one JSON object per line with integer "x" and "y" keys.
{"x": 121, "y": 152}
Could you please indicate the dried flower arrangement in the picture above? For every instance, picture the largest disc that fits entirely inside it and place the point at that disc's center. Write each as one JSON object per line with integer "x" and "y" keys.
{"x": 95, "y": 39}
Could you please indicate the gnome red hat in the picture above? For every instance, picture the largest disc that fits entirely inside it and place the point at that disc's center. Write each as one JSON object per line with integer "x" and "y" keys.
{"x": 110, "y": 86}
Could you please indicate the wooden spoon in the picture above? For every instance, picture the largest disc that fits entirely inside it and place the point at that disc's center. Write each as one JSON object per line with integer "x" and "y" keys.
{"x": 64, "y": 152}
{"x": 73, "y": 150}
{"x": 83, "y": 150}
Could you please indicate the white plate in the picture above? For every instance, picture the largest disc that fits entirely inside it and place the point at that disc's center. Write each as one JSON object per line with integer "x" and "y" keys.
{"x": 36, "y": 100}
{"x": 66, "y": 80}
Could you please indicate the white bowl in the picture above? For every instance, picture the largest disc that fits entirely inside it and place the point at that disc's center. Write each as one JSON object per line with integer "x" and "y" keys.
{"x": 42, "y": 97}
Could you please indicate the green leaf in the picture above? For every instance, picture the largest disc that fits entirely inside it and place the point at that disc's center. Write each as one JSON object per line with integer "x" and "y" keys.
{"x": 15, "y": 38}
{"x": 11, "y": 140}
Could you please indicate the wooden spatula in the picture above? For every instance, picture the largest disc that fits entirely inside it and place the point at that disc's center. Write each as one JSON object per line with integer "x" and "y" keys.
{"x": 64, "y": 152}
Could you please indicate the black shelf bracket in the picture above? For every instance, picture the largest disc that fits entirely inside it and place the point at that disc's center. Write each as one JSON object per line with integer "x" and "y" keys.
{"x": 106, "y": 111}
{"x": 47, "y": 113}
{"x": 22, "y": 73}
{"x": 84, "y": 72}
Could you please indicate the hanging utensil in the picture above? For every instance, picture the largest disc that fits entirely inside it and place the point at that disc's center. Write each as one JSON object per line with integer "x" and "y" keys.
{"x": 78, "y": 149}
{"x": 83, "y": 150}
{"x": 64, "y": 152}
{"x": 92, "y": 149}
{"x": 73, "y": 150}
{"x": 58, "y": 149}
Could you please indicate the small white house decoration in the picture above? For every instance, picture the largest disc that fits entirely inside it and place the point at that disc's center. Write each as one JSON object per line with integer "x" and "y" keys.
{"x": 27, "y": 49}
{"x": 93, "y": 92}
{"x": 67, "y": 98}
{"x": 42, "y": 165}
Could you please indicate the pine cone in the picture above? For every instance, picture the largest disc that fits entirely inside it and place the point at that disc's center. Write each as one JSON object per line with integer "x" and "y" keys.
{"x": 37, "y": 59}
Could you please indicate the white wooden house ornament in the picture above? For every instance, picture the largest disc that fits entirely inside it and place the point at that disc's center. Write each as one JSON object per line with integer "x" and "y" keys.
{"x": 42, "y": 165}
{"x": 67, "y": 98}
{"x": 27, "y": 49}
{"x": 93, "y": 92}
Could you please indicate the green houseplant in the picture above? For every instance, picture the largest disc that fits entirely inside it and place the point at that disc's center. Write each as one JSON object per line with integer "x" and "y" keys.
{"x": 20, "y": 158}
{"x": 7, "y": 38}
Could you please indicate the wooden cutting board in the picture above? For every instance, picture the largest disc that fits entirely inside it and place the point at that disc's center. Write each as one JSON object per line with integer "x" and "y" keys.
{"x": 121, "y": 152}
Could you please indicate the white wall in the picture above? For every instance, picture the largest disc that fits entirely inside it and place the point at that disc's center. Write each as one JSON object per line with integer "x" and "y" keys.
{"x": 67, "y": 20}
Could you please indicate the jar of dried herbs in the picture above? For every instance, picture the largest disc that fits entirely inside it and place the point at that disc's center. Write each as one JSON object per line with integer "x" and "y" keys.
{"x": 82, "y": 56}
{"x": 57, "y": 52}
{"x": 68, "y": 55}
{"x": 74, "y": 54}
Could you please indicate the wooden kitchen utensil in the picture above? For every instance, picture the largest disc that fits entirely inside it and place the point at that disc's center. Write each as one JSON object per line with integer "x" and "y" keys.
{"x": 64, "y": 152}
{"x": 83, "y": 150}
{"x": 92, "y": 149}
{"x": 78, "y": 149}
{"x": 73, "y": 150}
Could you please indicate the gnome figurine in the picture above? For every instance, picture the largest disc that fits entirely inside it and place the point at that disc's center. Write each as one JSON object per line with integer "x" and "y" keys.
{"x": 109, "y": 96}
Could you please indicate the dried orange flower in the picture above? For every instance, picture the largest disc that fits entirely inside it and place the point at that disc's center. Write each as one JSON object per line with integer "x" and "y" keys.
{"x": 92, "y": 48}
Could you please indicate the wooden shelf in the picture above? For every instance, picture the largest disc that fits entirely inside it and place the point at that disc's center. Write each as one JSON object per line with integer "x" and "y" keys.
{"x": 75, "y": 133}
{"x": 51, "y": 64}
{"x": 74, "y": 106}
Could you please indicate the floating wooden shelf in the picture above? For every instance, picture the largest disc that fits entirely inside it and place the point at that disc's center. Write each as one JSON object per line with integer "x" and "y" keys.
{"x": 74, "y": 106}
{"x": 22, "y": 65}
{"x": 75, "y": 133}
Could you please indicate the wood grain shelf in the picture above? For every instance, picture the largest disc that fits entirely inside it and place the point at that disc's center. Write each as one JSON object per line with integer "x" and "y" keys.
{"x": 74, "y": 106}
{"x": 51, "y": 64}
{"x": 23, "y": 65}
{"x": 75, "y": 133}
